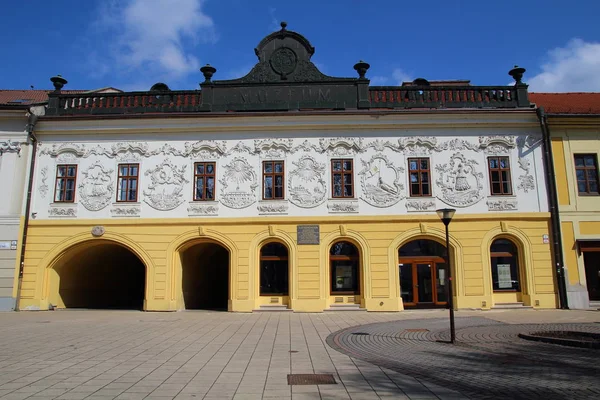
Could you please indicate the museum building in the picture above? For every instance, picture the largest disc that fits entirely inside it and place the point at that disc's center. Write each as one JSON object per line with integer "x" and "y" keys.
{"x": 288, "y": 189}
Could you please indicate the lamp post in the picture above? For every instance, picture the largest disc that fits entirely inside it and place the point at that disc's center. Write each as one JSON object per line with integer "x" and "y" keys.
{"x": 446, "y": 215}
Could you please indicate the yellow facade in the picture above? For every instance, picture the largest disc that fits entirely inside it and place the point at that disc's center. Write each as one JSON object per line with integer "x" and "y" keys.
{"x": 160, "y": 245}
{"x": 579, "y": 214}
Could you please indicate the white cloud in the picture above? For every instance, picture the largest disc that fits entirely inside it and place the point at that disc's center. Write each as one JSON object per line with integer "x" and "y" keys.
{"x": 400, "y": 76}
{"x": 151, "y": 35}
{"x": 379, "y": 80}
{"x": 573, "y": 68}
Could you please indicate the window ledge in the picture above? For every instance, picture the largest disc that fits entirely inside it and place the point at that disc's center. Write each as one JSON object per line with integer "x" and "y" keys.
{"x": 346, "y": 206}
{"x": 269, "y": 207}
{"x": 201, "y": 208}
{"x": 502, "y": 203}
{"x": 126, "y": 209}
{"x": 420, "y": 204}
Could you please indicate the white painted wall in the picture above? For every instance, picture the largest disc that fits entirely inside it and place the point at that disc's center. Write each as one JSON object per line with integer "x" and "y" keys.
{"x": 166, "y": 163}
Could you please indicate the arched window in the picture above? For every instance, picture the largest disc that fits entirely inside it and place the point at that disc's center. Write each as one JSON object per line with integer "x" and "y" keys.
{"x": 505, "y": 265}
{"x": 343, "y": 261}
{"x": 274, "y": 270}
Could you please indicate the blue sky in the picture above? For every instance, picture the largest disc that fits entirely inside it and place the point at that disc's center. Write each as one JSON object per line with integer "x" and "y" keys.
{"x": 131, "y": 44}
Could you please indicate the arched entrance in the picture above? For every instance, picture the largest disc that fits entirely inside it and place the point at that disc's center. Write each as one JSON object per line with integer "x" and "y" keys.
{"x": 423, "y": 270}
{"x": 100, "y": 275}
{"x": 205, "y": 276}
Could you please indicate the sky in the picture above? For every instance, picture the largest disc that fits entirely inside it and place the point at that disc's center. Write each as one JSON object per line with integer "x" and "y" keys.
{"x": 132, "y": 44}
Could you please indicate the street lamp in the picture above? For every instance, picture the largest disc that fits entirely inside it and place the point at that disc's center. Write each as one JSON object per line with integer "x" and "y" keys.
{"x": 446, "y": 215}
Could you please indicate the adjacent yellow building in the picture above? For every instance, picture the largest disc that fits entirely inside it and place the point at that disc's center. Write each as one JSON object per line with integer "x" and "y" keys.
{"x": 288, "y": 189}
{"x": 573, "y": 120}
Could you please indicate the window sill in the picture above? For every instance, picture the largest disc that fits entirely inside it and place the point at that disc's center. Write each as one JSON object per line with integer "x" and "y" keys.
{"x": 502, "y": 203}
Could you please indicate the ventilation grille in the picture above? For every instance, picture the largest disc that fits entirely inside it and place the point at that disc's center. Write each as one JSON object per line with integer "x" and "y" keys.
{"x": 311, "y": 379}
{"x": 339, "y": 299}
{"x": 274, "y": 300}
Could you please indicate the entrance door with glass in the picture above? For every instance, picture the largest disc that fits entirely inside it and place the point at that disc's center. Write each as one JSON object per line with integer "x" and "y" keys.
{"x": 423, "y": 282}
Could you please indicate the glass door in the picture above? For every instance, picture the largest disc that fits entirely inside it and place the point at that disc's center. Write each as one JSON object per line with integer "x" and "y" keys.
{"x": 407, "y": 285}
{"x": 423, "y": 282}
{"x": 425, "y": 287}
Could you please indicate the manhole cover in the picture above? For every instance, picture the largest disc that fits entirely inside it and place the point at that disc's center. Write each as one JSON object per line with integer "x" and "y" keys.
{"x": 416, "y": 330}
{"x": 360, "y": 333}
{"x": 311, "y": 379}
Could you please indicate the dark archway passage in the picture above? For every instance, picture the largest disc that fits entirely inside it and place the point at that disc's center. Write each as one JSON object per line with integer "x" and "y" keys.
{"x": 205, "y": 277}
{"x": 103, "y": 276}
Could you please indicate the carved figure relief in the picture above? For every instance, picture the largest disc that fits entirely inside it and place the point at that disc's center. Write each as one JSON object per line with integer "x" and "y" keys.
{"x": 96, "y": 188}
{"x": 306, "y": 185}
{"x": 380, "y": 181}
{"x": 43, "y": 188}
{"x": 526, "y": 181}
{"x": 10, "y": 147}
{"x": 164, "y": 192}
{"x": 239, "y": 183}
{"x": 460, "y": 183}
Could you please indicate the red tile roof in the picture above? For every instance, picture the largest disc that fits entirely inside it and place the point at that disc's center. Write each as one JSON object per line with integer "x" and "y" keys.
{"x": 28, "y": 97}
{"x": 567, "y": 103}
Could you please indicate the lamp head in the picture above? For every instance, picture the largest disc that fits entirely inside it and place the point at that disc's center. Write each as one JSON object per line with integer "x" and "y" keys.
{"x": 446, "y": 214}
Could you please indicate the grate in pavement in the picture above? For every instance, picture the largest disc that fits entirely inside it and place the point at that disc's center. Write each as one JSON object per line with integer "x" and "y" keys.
{"x": 360, "y": 333}
{"x": 416, "y": 330}
{"x": 311, "y": 379}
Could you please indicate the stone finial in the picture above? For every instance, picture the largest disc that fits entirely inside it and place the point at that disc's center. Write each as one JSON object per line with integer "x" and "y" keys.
{"x": 208, "y": 71}
{"x": 58, "y": 81}
{"x": 517, "y": 74}
{"x": 361, "y": 67}
{"x": 283, "y": 25}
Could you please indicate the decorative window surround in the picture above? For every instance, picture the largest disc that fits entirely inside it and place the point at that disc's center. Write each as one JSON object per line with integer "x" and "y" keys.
{"x": 121, "y": 210}
{"x": 420, "y": 204}
{"x": 271, "y": 207}
{"x": 502, "y": 203}
{"x": 337, "y": 206}
{"x": 203, "y": 208}
{"x": 62, "y": 210}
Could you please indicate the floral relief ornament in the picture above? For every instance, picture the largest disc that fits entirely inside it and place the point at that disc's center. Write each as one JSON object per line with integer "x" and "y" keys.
{"x": 526, "y": 180}
{"x": 238, "y": 185}
{"x": 43, "y": 188}
{"x": 460, "y": 183}
{"x": 380, "y": 182}
{"x": 96, "y": 187}
{"x": 306, "y": 185}
{"x": 165, "y": 191}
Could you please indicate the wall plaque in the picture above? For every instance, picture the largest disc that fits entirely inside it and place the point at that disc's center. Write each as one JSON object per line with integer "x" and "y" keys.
{"x": 307, "y": 234}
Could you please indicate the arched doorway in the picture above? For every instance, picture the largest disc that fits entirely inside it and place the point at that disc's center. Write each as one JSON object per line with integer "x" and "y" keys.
{"x": 205, "y": 277}
{"x": 507, "y": 282}
{"x": 344, "y": 267}
{"x": 100, "y": 275}
{"x": 274, "y": 270}
{"x": 423, "y": 270}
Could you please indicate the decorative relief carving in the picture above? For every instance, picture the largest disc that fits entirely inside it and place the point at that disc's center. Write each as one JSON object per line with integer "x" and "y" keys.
{"x": 342, "y": 206}
{"x": 283, "y": 61}
{"x": 306, "y": 146}
{"x": 164, "y": 192}
{"x": 240, "y": 147}
{"x": 126, "y": 211}
{"x": 306, "y": 185}
{"x": 380, "y": 181}
{"x": 526, "y": 181}
{"x": 380, "y": 145}
{"x": 273, "y": 148}
{"x": 43, "y": 188}
{"x": 273, "y": 207}
{"x": 420, "y": 205}
{"x": 457, "y": 144}
{"x": 10, "y": 147}
{"x": 238, "y": 185}
{"x": 62, "y": 211}
{"x": 77, "y": 149}
{"x": 460, "y": 183}
{"x": 341, "y": 146}
{"x": 417, "y": 145}
{"x": 204, "y": 149}
{"x": 197, "y": 208}
{"x": 96, "y": 187}
{"x": 98, "y": 231}
{"x": 495, "y": 204}
{"x": 497, "y": 144}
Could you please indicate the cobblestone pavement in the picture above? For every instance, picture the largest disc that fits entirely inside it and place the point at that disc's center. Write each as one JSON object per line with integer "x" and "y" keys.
{"x": 488, "y": 361}
{"x": 196, "y": 355}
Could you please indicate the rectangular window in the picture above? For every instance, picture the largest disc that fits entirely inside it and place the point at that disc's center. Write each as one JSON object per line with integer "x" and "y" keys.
{"x": 128, "y": 182}
{"x": 499, "y": 168}
{"x": 204, "y": 181}
{"x": 420, "y": 177}
{"x": 64, "y": 190}
{"x": 273, "y": 180}
{"x": 341, "y": 176}
{"x": 586, "y": 169}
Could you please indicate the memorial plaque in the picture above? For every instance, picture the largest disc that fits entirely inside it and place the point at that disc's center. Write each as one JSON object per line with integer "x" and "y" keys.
{"x": 307, "y": 234}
